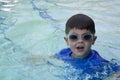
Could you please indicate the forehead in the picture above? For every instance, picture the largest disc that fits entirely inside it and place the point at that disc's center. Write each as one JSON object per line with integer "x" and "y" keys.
{"x": 79, "y": 31}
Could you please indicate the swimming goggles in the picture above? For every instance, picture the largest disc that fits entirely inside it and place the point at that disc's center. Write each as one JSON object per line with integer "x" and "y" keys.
{"x": 85, "y": 37}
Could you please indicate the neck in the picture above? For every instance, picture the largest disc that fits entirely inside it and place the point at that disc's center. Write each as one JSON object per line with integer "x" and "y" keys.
{"x": 82, "y": 57}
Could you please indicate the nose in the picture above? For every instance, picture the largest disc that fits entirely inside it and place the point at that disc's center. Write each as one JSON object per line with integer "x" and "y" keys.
{"x": 80, "y": 40}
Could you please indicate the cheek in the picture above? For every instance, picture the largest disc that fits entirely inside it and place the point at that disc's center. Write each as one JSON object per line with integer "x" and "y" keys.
{"x": 72, "y": 44}
{"x": 88, "y": 44}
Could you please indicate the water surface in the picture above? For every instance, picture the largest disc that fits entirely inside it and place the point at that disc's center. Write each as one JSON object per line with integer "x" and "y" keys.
{"x": 33, "y": 30}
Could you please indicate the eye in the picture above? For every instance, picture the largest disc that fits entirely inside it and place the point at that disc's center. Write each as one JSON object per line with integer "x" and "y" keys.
{"x": 87, "y": 37}
{"x": 73, "y": 37}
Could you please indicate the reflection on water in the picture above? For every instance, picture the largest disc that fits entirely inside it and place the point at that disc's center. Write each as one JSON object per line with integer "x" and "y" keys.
{"x": 32, "y": 30}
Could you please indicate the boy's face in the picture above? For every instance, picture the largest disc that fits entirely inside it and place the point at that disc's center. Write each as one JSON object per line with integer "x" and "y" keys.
{"x": 80, "y": 41}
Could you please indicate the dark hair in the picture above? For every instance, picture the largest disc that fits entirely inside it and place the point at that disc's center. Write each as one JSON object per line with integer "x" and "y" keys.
{"x": 80, "y": 21}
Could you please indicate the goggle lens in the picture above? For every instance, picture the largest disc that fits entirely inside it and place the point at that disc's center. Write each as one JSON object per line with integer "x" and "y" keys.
{"x": 85, "y": 37}
{"x": 73, "y": 37}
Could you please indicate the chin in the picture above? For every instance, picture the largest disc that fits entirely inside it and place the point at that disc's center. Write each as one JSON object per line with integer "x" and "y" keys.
{"x": 81, "y": 55}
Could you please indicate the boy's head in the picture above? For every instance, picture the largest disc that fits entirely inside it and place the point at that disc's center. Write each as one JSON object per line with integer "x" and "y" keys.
{"x": 80, "y": 30}
{"x": 80, "y": 21}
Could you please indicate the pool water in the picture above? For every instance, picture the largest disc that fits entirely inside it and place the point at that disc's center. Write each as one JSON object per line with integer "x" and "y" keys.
{"x": 31, "y": 31}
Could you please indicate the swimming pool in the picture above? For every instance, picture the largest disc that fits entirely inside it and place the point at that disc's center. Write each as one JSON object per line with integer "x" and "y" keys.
{"x": 33, "y": 30}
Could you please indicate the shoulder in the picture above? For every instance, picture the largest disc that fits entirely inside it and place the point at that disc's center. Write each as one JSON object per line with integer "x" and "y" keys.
{"x": 96, "y": 56}
{"x": 63, "y": 53}
{"x": 114, "y": 63}
{"x": 114, "y": 66}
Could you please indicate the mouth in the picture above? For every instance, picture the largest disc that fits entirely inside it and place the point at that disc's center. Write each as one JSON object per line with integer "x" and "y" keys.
{"x": 80, "y": 48}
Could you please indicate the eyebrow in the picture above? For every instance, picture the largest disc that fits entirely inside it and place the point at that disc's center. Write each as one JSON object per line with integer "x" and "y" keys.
{"x": 82, "y": 33}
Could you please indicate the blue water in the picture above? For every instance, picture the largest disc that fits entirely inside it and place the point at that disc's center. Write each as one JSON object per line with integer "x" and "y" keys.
{"x": 32, "y": 30}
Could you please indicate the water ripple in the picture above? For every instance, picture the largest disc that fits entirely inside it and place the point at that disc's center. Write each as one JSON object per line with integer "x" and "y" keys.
{"x": 42, "y": 12}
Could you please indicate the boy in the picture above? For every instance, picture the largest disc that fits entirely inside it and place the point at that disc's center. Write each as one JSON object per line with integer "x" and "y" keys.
{"x": 80, "y": 36}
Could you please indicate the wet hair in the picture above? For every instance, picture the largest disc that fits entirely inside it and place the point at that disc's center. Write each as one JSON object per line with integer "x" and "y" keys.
{"x": 80, "y": 21}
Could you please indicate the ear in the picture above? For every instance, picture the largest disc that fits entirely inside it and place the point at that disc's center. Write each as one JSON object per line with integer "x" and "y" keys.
{"x": 94, "y": 39}
{"x": 66, "y": 40}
